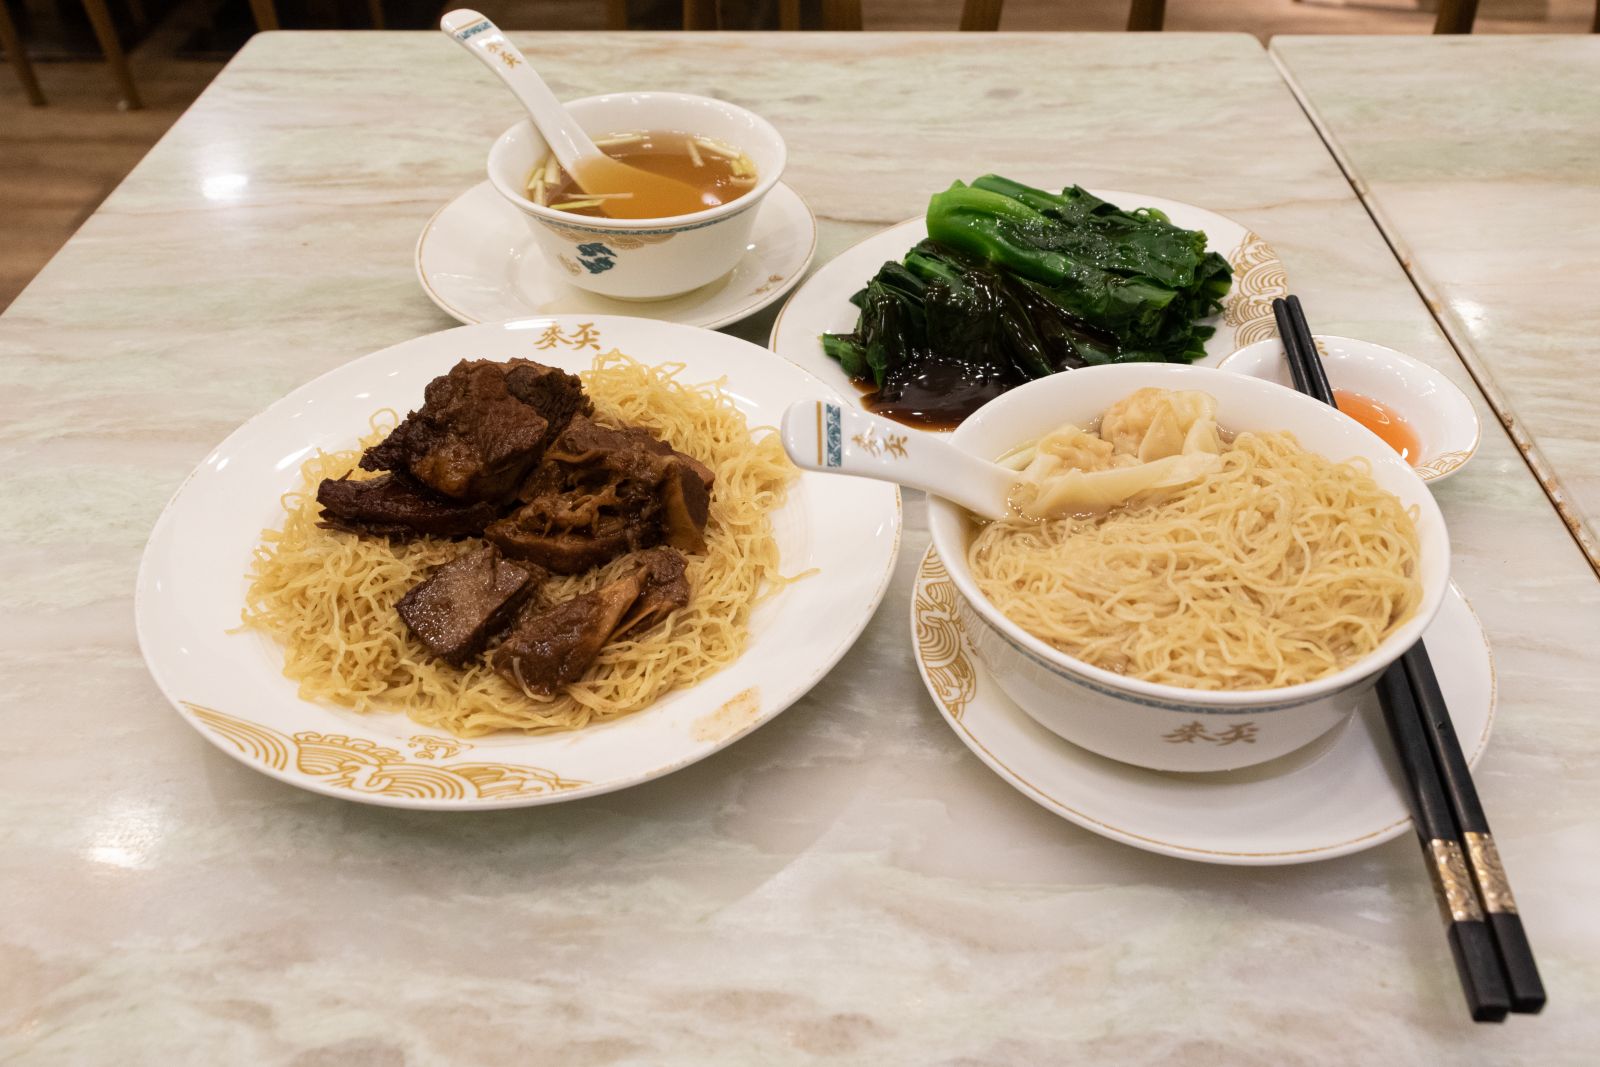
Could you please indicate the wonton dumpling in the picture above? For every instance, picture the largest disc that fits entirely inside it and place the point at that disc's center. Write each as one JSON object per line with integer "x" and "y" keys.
{"x": 1156, "y": 423}
{"x": 1070, "y": 448}
{"x": 1152, "y": 441}
{"x": 1075, "y": 492}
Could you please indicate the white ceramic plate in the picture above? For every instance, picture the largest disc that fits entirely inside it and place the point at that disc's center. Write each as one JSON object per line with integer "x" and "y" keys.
{"x": 478, "y": 262}
{"x": 1446, "y": 425}
{"x": 822, "y": 305}
{"x": 229, "y": 684}
{"x": 1340, "y": 794}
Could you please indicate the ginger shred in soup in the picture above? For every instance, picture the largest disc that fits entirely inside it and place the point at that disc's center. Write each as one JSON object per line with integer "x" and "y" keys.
{"x": 718, "y": 172}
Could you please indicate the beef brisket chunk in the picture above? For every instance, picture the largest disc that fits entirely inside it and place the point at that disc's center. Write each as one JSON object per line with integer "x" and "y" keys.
{"x": 462, "y": 602}
{"x": 552, "y": 647}
{"x": 392, "y": 505}
{"x": 481, "y": 428}
{"x": 663, "y": 589}
{"x": 556, "y": 395}
{"x": 601, "y": 492}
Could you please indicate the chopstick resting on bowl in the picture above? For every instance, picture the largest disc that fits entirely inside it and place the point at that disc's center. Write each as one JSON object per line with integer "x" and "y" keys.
{"x": 1491, "y": 950}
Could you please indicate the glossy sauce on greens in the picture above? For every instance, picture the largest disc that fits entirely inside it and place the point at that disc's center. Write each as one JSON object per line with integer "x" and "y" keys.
{"x": 936, "y": 396}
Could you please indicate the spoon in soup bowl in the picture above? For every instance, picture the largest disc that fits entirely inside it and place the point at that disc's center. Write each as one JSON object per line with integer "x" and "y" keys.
{"x": 827, "y": 436}
{"x": 630, "y": 192}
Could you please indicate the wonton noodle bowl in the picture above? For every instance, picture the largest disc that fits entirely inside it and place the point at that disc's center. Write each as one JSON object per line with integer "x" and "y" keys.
{"x": 1168, "y": 727}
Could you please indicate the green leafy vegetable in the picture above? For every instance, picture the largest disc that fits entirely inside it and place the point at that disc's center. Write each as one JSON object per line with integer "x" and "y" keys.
{"x": 1015, "y": 283}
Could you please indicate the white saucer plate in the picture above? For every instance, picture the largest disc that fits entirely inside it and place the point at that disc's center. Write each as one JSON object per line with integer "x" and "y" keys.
{"x": 822, "y": 305}
{"x": 1341, "y": 794}
{"x": 229, "y": 684}
{"x": 1445, "y": 423}
{"x": 476, "y": 259}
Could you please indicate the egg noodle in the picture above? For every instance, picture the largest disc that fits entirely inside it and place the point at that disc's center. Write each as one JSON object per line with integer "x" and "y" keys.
{"x": 329, "y": 596}
{"x": 1279, "y": 568}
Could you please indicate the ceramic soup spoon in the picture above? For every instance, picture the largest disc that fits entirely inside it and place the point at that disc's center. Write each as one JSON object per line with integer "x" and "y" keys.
{"x": 825, "y": 435}
{"x": 592, "y": 170}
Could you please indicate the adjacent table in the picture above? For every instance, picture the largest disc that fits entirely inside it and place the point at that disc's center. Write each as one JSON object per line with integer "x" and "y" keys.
{"x": 1480, "y": 159}
{"x": 847, "y": 883}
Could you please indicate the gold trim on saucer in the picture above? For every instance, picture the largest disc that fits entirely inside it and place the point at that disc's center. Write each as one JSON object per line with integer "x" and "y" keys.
{"x": 939, "y": 642}
{"x": 1441, "y": 465}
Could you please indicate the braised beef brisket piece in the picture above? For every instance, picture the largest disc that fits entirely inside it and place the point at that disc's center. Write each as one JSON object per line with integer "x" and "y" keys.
{"x": 602, "y": 492}
{"x": 481, "y": 428}
{"x": 462, "y": 602}
{"x": 552, "y": 647}
{"x": 392, "y": 505}
{"x": 663, "y": 589}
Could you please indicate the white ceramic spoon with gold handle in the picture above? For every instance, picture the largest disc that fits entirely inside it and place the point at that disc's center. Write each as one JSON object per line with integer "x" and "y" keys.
{"x": 834, "y": 438}
{"x": 652, "y": 195}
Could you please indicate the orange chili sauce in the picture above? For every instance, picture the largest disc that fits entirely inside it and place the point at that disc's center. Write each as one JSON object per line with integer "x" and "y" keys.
{"x": 1381, "y": 420}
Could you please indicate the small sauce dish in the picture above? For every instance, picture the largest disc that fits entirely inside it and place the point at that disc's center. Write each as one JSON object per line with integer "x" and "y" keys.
{"x": 1439, "y": 417}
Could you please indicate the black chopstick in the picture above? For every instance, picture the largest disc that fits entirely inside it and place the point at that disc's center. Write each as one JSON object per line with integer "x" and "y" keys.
{"x": 1471, "y": 941}
{"x": 1314, "y": 371}
{"x": 1488, "y": 954}
{"x": 1297, "y": 370}
{"x": 1483, "y": 858}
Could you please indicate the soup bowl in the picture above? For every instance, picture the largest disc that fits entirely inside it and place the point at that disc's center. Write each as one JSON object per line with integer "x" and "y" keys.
{"x": 1167, "y": 727}
{"x": 643, "y": 259}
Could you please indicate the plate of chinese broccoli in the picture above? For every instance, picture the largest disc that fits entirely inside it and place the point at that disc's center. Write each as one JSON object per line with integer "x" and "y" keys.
{"x": 1000, "y": 283}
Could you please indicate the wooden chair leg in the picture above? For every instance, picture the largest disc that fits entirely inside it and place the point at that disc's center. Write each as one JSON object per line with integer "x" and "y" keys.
{"x": 266, "y": 13}
{"x": 699, "y": 14}
{"x": 1596, "y": 27}
{"x": 981, "y": 14}
{"x": 841, "y": 14}
{"x": 375, "y": 12}
{"x": 12, "y": 42}
{"x": 616, "y": 14}
{"x": 1147, "y": 15}
{"x": 789, "y": 14}
{"x": 106, "y": 32}
{"x": 1456, "y": 16}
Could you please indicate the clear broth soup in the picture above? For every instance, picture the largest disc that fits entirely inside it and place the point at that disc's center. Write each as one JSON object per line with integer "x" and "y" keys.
{"x": 719, "y": 172}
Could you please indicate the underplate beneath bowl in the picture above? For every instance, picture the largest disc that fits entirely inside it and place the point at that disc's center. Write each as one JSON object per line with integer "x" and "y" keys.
{"x": 477, "y": 261}
{"x": 1341, "y": 794}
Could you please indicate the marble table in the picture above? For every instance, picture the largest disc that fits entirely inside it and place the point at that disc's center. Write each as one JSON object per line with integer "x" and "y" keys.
{"x": 1480, "y": 159}
{"x": 849, "y": 883}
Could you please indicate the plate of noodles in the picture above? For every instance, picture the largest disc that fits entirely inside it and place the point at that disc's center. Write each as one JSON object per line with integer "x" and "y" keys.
{"x": 506, "y": 565}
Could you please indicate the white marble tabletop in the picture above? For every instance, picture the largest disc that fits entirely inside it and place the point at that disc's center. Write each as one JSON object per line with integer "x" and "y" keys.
{"x": 848, "y": 884}
{"x": 1480, "y": 158}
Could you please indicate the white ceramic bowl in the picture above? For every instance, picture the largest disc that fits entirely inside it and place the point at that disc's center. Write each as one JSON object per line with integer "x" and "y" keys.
{"x": 643, "y": 259}
{"x": 1445, "y": 423}
{"x": 1141, "y": 722}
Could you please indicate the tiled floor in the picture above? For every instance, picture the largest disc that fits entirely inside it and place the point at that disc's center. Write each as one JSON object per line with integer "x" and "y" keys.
{"x": 57, "y": 163}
